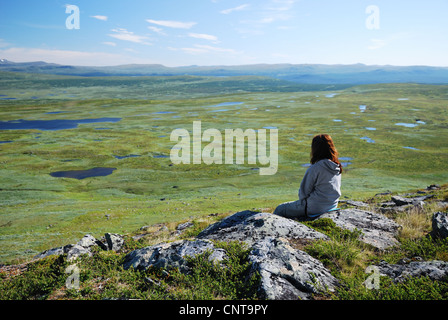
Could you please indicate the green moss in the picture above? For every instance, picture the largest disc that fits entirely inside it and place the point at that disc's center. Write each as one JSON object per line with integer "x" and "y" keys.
{"x": 101, "y": 276}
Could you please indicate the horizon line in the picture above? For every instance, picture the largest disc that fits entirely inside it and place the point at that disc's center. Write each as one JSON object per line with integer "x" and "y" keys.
{"x": 229, "y": 65}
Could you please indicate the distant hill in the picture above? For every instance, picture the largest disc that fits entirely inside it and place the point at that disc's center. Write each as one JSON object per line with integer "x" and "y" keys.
{"x": 298, "y": 73}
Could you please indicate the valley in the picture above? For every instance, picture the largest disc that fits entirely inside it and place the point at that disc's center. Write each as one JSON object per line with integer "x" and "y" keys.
{"x": 391, "y": 137}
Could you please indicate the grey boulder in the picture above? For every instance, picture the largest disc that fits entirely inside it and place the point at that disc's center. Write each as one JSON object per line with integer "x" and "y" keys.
{"x": 114, "y": 241}
{"x": 440, "y": 225}
{"x": 435, "y": 270}
{"x": 287, "y": 273}
{"x": 377, "y": 230}
{"x": 84, "y": 246}
{"x": 250, "y": 227}
{"x": 172, "y": 255}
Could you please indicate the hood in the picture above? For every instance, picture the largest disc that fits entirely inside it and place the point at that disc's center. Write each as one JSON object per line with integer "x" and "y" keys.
{"x": 330, "y": 166}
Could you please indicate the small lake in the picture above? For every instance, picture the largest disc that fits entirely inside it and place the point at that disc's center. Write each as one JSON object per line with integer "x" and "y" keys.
{"x": 128, "y": 156}
{"x": 368, "y": 139}
{"x": 226, "y": 104}
{"x": 219, "y": 110}
{"x": 411, "y": 148}
{"x": 407, "y": 125}
{"x": 50, "y": 125}
{"x": 83, "y": 174}
{"x": 362, "y": 108}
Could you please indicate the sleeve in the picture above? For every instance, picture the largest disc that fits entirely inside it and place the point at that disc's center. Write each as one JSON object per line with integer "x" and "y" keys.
{"x": 308, "y": 183}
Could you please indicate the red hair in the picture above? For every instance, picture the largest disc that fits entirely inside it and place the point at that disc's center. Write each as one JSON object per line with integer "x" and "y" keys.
{"x": 323, "y": 147}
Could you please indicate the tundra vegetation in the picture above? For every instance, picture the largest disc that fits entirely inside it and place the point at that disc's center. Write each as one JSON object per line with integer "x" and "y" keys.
{"x": 42, "y": 210}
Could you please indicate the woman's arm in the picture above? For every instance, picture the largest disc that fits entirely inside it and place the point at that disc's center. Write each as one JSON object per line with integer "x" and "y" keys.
{"x": 308, "y": 182}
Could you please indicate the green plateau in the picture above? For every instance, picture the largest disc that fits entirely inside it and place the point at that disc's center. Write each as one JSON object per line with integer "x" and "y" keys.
{"x": 390, "y": 137}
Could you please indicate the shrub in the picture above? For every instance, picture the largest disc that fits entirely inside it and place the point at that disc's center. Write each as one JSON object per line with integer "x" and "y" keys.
{"x": 419, "y": 288}
{"x": 37, "y": 282}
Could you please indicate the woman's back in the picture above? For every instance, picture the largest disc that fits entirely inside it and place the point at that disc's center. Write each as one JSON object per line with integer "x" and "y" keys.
{"x": 321, "y": 187}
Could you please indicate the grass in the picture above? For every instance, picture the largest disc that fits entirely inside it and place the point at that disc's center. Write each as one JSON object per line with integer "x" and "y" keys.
{"x": 38, "y": 211}
{"x": 102, "y": 277}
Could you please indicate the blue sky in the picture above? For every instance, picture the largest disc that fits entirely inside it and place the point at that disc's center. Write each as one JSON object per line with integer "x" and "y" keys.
{"x": 226, "y": 32}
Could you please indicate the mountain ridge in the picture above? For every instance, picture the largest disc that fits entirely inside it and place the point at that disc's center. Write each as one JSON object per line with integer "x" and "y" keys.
{"x": 299, "y": 73}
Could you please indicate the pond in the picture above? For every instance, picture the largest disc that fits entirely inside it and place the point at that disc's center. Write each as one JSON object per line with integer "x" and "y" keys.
{"x": 160, "y": 156}
{"x": 128, "y": 156}
{"x": 411, "y": 148}
{"x": 225, "y": 104}
{"x": 219, "y": 110}
{"x": 368, "y": 139}
{"x": 83, "y": 174}
{"x": 407, "y": 125}
{"x": 50, "y": 125}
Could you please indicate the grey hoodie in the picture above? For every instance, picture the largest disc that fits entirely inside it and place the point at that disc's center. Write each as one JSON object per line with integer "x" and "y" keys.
{"x": 321, "y": 187}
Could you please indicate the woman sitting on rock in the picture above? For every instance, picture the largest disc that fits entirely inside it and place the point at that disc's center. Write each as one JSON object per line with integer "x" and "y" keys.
{"x": 320, "y": 189}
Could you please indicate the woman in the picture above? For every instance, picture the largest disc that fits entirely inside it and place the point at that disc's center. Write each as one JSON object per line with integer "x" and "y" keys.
{"x": 321, "y": 186}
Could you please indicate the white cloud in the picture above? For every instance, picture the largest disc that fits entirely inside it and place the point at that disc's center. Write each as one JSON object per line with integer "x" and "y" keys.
{"x": 109, "y": 43}
{"x": 102, "y": 18}
{"x": 200, "y": 49}
{"x": 172, "y": 24}
{"x": 125, "y": 35}
{"x": 204, "y": 36}
{"x": 239, "y": 8}
{"x": 157, "y": 30}
{"x": 67, "y": 57}
{"x": 267, "y": 13}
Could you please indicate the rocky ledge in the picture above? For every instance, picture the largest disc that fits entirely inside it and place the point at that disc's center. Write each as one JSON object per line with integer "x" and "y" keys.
{"x": 286, "y": 271}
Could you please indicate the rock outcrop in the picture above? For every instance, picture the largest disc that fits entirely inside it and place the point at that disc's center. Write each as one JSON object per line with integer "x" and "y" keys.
{"x": 84, "y": 246}
{"x": 286, "y": 271}
{"x": 435, "y": 270}
{"x": 440, "y": 225}
{"x": 376, "y": 229}
{"x": 250, "y": 227}
{"x": 171, "y": 255}
{"x": 407, "y": 202}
